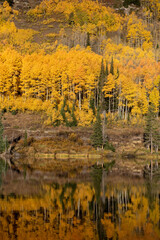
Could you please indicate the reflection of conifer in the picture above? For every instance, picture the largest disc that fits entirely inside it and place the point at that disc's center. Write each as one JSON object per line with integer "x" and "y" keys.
{"x": 97, "y": 137}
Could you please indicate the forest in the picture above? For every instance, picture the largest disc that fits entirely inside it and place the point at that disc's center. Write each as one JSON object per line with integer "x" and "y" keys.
{"x": 93, "y": 56}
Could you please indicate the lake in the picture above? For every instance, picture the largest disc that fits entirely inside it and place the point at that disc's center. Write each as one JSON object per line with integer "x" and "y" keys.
{"x": 95, "y": 205}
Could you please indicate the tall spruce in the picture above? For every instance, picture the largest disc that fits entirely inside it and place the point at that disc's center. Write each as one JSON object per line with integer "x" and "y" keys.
{"x": 152, "y": 134}
{"x": 100, "y": 86}
{"x": 97, "y": 136}
{"x": 88, "y": 43}
{"x": 107, "y": 71}
{"x": 112, "y": 66}
{"x": 106, "y": 99}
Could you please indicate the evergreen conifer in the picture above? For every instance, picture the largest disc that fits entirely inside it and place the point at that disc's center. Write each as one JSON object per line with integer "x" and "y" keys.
{"x": 152, "y": 135}
{"x": 101, "y": 84}
{"x": 88, "y": 40}
{"x": 97, "y": 137}
{"x": 112, "y": 67}
{"x": 107, "y": 71}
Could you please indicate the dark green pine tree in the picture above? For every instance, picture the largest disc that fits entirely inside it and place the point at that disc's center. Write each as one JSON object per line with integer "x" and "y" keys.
{"x": 106, "y": 100}
{"x": 100, "y": 85}
{"x": 97, "y": 136}
{"x": 92, "y": 105}
{"x": 152, "y": 134}
{"x": 88, "y": 43}
{"x": 112, "y": 67}
{"x": 74, "y": 120}
{"x": 107, "y": 71}
{"x": 64, "y": 110}
{"x": 2, "y": 143}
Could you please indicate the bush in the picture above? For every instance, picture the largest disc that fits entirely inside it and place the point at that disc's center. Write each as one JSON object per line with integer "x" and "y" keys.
{"x": 109, "y": 146}
{"x": 14, "y": 112}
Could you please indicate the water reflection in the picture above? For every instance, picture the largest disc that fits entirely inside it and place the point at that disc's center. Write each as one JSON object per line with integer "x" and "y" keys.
{"x": 105, "y": 207}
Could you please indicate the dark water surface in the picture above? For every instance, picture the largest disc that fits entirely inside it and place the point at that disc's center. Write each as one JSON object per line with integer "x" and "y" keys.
{"x": 97, "y": 206}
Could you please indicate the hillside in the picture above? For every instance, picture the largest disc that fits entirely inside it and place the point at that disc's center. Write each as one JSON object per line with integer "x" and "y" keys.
{"x": 69, "y": 58}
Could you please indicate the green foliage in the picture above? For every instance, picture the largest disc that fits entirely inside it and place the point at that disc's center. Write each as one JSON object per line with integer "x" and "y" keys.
{"x": 74, "y": 120}
{"x": 97, "y": 137}
{"x": 71, "y": 19}
{"x": 14, "y": 112}
{"x": 152, "y": 133}
{"x": 81, "y": 17}
{"x": 109, "y": 165}
{"x": 64, "y": 110}
{"x": 101, "y": 84}
{"x": 112, "y": 67}
{"x": 109, "y": 146}
{"x": 107, "y": 71}
{"x": 102, "y": 72}
{"x": 4, "y": 110}
{"x": 88, "y": 40}
{"x": 92, "y": 105}
{"x": 97, "y": 179}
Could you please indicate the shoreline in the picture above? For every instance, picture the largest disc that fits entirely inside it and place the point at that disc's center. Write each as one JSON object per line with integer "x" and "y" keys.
{"x": 65, "y": 148}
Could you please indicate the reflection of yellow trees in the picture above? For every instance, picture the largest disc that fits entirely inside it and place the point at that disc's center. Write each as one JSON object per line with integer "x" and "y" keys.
{"x": 49, "y": 216}
{"x": 83, "y": 195}
{"x": 54, "y": 214}
{"x": 135, "y": 219}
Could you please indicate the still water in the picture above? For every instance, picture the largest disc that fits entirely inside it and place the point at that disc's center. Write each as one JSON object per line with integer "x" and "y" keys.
{"x": 95, "y": 206}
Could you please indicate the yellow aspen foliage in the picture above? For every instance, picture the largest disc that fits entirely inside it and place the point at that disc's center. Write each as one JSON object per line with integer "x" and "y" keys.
{"x": 85, "y": 116}
{"x": 154, "y": 98}
{"x": 81, "y": 13}
{"x": 137, "y": 34}
{"x": 11, "y": 64}
{"x": 109, "y": 86}
{"x": 109, "y": 227}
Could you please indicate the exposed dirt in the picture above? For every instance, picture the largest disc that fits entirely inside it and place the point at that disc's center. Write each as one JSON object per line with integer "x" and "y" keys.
{"x": 16, "y": 125}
